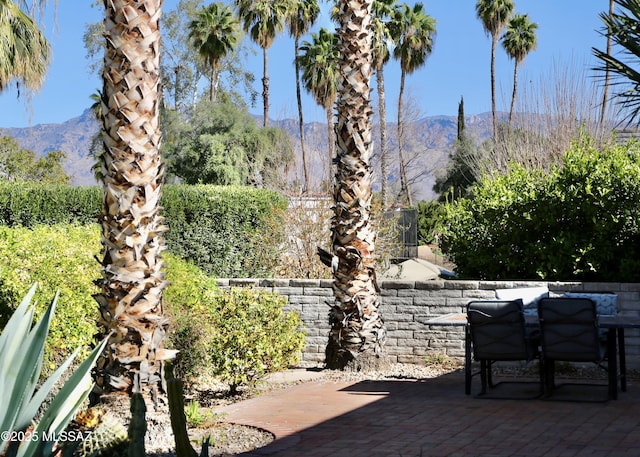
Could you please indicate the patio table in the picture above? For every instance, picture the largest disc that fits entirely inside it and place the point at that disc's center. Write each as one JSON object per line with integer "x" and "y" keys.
{"x": 616, "y": 338}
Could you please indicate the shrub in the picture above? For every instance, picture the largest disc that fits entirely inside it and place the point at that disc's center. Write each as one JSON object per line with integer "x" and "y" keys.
{"x": 59, "y": 258}
{"x": 577, "y": 222}
{"x": 238, "y": 335}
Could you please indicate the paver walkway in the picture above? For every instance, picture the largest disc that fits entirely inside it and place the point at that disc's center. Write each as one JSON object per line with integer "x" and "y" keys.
{"x": 433, "y": 417}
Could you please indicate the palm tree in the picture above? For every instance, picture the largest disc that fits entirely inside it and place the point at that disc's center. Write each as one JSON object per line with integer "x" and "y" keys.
{"x": 263, "y": 20}
{"x": 624, "y": 29}
{"x": 494, "y": 14}
{"x": 382, "y": 11}
{"x": 605, "y": 89}
{"x": 214, "y": 33}
{"x": 357, "y": 332}
{"x": 132, "y": 282}
{"x": 519, "y": 40}
{"x": 24, "y": 50}
{"x": 319, "y": 63}
{"x": 413, "y": 31}
{"x": 301, "y": 17}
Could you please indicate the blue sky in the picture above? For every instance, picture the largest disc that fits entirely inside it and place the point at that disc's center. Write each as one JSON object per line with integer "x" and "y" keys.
{"x": 458, "y": 66}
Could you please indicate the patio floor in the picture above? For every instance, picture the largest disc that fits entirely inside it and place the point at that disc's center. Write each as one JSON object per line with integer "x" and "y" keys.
{"x": 433, "y": 417}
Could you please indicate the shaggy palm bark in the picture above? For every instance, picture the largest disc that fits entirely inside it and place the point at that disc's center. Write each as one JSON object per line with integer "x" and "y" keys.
{"x": 357, "y": 331}
{"x": 132, "y": 282}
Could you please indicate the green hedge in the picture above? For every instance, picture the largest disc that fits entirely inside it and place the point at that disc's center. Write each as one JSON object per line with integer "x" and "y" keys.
{"x": 577, "y": 222}
{"x": 220, "y": 229}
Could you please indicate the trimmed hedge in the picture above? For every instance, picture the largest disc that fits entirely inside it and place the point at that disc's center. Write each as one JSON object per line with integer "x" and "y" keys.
{"x": 215, "y": 227}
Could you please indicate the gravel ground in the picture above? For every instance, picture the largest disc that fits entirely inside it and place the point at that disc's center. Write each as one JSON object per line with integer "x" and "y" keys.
{"x": 228, "y": 439}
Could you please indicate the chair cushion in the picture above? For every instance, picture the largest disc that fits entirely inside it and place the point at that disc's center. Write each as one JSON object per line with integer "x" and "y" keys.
{"x": 530, "y": 297}
{"x": 606, "y": 303}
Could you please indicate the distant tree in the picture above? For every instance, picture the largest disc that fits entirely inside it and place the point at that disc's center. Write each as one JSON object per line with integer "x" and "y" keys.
{"x": 413, "y": 32}
{"x": 458, "y": 175}
{"x": 221, "y": 144}
{"x": 494, "y": 14}
{"x": 319, "y": 62}
{"x": 624, "y": 29}
{"x": 263, "y": 20}
{"x": 18, "y": 164}
{"x": 214, "y": 33}
{"x": 519, "y": 40}
{"x": 301, "y": 16}
{"x": 382, "y": 11}
{"x": 24, "y": 50}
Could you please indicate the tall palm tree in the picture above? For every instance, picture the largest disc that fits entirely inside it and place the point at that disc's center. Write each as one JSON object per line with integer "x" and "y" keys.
{"x": 319, "y": 63}
{"x": 214, "y": 32}
{"x": 382, "y": 11}
{"x": 132, "y": 282}
{"x": 494, "y": 14}
{"x": 413, "y": 31}
{"x": 357, "y": 333}
{"x": 301, "y": 17}
{"x": 518, "y": 41}
{"x": 263, "y": 20}
{"x": 624, "y": 29}
{"x": 607, "y": 73}
{"x": 24, "y": 50}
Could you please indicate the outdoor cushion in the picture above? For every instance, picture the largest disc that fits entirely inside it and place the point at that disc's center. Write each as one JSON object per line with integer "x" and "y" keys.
{"x": 606, "y": 303}
{"x": 530, "y": 297}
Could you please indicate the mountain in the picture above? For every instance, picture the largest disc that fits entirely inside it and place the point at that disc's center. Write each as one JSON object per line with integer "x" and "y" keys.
{"x": 429, "y": 139}
{"x": 73, "y": 137}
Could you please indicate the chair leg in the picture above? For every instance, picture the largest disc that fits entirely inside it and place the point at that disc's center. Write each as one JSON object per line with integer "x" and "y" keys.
{"x": 484, "y": 368}
{"x": 467, "y": 361}
{"x": 490, "y": 373}
{"x": 549, "y": 376}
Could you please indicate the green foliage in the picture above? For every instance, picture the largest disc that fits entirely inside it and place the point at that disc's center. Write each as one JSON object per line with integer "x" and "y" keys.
{"x": 430, "y": 221}
{"x": 577, "y": 222}
{"x": 60, "y": 258}
{"x": 217, "y": 228}
{"x": 18, "y": 164}
{"x": 29, "y": 204}
{"x": 21, "y": 358}
{"x": 238, "y": 335}
{"x": 221, "y": 144}
{"x": 221, "y": 229}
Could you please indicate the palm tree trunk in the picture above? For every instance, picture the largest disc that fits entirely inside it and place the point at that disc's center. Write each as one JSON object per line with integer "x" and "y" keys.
{"x": 305, "y": 165}
{"x": 494, "y": 45}
{"x": 331, "y": 136}
{"x": 265, "y": 86}
{"x": 404, "y": 181}
{"x": 357, "y": 331}
{"x": 384, "y": 166}
{"x": 130, "y": 298}
{"x": 212, "y": 87}
{"x": 515, "y": 88}
{"x": 607, "y": 75}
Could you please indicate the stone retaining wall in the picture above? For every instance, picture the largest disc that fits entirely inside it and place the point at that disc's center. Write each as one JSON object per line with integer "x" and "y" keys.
{"x": 406, "y": 305}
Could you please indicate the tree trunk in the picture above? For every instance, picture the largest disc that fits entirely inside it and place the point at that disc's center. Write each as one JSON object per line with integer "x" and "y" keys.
{"x": 331, "y": 137}
{"x": 404, "y": 180}
{"x": 130, "y": 298}
{"x": 382, "y": 109}
{"x": 305, "y": 164}
{"x": 265, "y": 86}
{"x": 515, "y": 89}
{"x": 494, "y": 44}
{"x": 357, "y": 331}
{"x": 607, "y": 75}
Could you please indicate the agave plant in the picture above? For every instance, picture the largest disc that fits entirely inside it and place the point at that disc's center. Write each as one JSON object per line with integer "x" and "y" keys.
{"x": 21, "y": 354}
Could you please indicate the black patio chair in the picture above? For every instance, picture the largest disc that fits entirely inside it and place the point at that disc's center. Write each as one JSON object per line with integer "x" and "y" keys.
{"x": 497, "y": 332}
{"x": 569, "y": 332}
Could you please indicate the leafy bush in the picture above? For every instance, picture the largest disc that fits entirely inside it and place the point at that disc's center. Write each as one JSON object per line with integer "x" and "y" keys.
{"x": 239, "y": 335}
{"x": 220, "y": 229}
{"x": 430, "y": 221}
{"x": 59, "y": 258}
{"x": 577, "y": 222}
